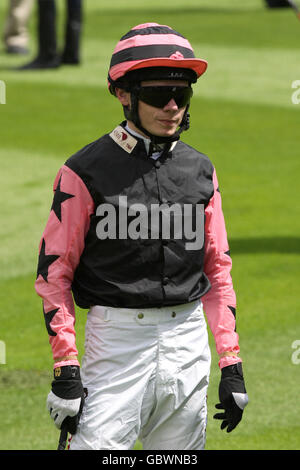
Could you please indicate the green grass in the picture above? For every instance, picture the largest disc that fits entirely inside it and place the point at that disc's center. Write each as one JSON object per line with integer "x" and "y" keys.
{"x": 243, "y": 118}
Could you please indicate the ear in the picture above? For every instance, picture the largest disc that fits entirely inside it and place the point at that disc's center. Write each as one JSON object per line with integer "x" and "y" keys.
{"x": 123, "y": 96}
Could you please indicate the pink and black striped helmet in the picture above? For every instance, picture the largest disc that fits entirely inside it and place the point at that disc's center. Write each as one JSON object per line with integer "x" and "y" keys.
{"x": 151, "y": 45}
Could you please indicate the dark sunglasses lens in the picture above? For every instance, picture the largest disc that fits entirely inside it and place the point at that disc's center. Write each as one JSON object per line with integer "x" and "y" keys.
{"x": 154, "y": 96}
{"x": 184, "y": 96}
{"x": 160, "y": 96}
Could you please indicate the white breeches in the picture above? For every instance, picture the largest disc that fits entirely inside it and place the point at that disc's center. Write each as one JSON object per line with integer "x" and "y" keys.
{"x": 147, "y": 372}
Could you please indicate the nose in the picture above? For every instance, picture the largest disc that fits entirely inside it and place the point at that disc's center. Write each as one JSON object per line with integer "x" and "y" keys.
{"x": 172, "y": 105}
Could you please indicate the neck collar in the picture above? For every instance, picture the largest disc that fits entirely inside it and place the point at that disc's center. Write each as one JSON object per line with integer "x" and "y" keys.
{"x": 153, "y": 151}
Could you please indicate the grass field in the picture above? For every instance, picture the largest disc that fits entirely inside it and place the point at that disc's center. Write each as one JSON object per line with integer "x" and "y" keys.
{"x": 243, "y": 118}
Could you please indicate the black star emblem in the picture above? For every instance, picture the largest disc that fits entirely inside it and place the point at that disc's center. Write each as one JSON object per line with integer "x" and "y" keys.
{"x": 59, "y": 198}
{"x": 48, "y": 319}
{"x": 44, "y": 262}
{"x": 233, "y": 311}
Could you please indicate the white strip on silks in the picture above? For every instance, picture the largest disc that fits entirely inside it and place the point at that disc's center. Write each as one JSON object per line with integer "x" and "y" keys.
{"x": 147, "y": 373}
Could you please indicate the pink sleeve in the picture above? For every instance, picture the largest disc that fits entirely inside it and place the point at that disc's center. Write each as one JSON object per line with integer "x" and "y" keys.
{"x": 220, "y": 302}
{"x": 59, "y": 253}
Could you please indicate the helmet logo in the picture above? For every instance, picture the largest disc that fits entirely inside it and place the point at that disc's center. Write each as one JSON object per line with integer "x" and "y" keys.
{"x": 176, "y": 75}
{"x": 177, "y": 55}
{"x": 124, "y": 136}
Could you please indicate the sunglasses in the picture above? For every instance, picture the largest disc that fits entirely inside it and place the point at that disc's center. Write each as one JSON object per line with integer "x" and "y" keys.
{"x": 159, "y": 96}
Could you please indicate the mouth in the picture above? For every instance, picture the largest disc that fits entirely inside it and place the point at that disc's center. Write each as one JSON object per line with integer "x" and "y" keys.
{"x": 168, "y": 122}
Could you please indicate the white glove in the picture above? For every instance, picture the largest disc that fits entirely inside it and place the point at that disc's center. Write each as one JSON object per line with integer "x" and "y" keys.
{"x": 61, "y": 408}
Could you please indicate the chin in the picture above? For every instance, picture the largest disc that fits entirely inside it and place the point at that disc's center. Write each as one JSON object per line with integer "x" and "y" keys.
{"x": 166, "y": 132}
{"x": 169, "y": 133}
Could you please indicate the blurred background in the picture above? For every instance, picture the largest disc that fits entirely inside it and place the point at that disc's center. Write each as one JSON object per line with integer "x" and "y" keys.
{"x": 244, "y": 116}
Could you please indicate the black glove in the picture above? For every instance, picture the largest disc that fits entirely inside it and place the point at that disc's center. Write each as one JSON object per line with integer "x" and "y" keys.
{"x": 66, "y": 399}
{"x": 233, "y": 396}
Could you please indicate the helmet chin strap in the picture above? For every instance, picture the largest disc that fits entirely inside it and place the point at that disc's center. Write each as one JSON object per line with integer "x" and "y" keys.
{"x": 157, "y": 142}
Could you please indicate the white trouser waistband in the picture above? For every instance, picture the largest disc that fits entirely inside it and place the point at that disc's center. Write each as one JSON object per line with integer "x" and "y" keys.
{"x": 144, "y": 315}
